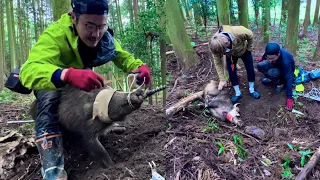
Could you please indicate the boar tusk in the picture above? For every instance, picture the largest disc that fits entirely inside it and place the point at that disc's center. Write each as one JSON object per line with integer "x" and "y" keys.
{"x": 235, "y": 105}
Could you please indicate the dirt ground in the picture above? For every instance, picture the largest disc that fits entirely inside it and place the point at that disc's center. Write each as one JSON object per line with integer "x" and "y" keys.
{"x": 193, "y": 154}
{"x": 143, "y": 142}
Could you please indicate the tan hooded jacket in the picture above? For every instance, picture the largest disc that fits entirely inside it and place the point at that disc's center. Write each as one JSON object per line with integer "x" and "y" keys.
{"x": 243, "y": 40}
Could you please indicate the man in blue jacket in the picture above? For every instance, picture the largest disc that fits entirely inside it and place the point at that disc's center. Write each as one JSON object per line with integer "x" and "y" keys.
{"x": 278, "y": 66}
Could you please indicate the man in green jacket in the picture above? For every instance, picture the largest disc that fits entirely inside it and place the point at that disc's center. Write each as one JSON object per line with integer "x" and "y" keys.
{"x": 64, "y": 54}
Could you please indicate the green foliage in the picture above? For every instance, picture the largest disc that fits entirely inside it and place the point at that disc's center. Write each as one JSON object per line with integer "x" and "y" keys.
{"x": 212, "y": 126}
{"x": 305, "y": 154}
{"x": 239, "y": 143}
{"x": 7, "y": 95}
{"x": 221, "y": 149}
{"x": 286, "y": 173}
{"x": 27, "y": 129}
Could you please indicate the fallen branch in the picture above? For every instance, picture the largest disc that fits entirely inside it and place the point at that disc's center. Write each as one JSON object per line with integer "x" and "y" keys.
{"x": 309, "y": 166}
{"x": 183, "y": 103}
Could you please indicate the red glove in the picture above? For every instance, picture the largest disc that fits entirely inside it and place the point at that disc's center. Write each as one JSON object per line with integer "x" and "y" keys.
{"x": 260, "y": 59}
{"x": 290, "y": 104}
{"x": 86, "y": 80}
{"x": 144, "y": 73}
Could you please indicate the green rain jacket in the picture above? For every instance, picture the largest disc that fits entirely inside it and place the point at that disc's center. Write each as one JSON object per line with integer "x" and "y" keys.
{"x": 57, "y": 48}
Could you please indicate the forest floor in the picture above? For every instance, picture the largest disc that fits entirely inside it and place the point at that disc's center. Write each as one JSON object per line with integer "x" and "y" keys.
{"x": 192, "y": 151}
{"x": 131, "y": 151}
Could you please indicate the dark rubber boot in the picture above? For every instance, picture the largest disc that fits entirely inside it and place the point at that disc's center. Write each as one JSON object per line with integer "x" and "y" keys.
{"x": 50, "y": 148}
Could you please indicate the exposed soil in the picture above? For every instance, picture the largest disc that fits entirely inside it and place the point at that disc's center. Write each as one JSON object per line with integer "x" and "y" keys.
{"x": 131, "y": 151}
{"x": 193, "y": 154}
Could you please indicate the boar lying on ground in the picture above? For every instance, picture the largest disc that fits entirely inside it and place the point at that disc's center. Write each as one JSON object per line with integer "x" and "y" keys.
{"x": 219, "y": 104}
{"x": 77, "y": 115}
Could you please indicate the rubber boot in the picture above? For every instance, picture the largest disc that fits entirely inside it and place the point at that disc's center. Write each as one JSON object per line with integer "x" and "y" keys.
{"x": 50, "y": 148}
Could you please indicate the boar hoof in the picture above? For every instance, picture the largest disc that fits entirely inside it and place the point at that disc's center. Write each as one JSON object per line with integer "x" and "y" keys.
{"x": 238, "y": 122}
{"x": 107, "y": 163}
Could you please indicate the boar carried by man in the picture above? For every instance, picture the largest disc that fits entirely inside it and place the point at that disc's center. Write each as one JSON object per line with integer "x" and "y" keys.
{"x": 63, "y": 58}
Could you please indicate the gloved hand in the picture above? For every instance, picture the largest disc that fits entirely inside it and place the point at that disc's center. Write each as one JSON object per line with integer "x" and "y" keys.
{"x": 259, "y": 59}
{"x": 119, "y": 106}
{"x": 144, "y": 73}
{"x": 86, "y": 80}
{"x": 221, "y": 85}
{"x": 290, "y": 104}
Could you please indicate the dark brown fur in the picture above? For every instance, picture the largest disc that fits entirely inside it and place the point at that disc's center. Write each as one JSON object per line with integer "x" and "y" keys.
{"x": 75, "y": 116}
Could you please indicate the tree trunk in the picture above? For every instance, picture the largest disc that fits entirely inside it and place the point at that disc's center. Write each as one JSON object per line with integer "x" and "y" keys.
{"x": 316, "y": 14}
{"x": 275, "y": 12}
{"x": 2, "y": 46}
{"x": 60, "y": 7}
{"x": 306, "y": 21}
{"x": 293, "y": 26}
{"x": 266, "y": 20}
{"x": 256, "y": 11}
{"x": 197, "y": 16}
{"x": 316, "y": 55}
{"x": 283, "y": 18}
{"x": 20, "y": 27}
{"x": 223, "y": 12}
{"x": 136, "y": 11}
{"x": 11, "y": 35}
{"x": 231, "y": 9}
{"x": 179, "y": 37}
{"x": 35, "y": 20}
{"x": 163, "y": 69}
{"x": 186, "y": 8}
{"x": 119, "y": 17}
{"x": 39, "y": 4}
{"x": 243, "y": 12}
{"x": 130, "y": 9}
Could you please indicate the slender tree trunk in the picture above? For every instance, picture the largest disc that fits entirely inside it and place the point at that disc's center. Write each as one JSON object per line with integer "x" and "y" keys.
{"x": 119, "y": 17}
{"x": 316, "y": 55}
{"x": 284, "y": 13}
{"x": 223, "y": 12}
{"x": 231, "y": 9}
{"x": 306, "y": 21}
{"x": 35, "y": 20}
{"x": 266, "y": 20}
{"x": 40, "y": 15}
{"x": 20, "y": 27}
{"x": 60, "y": 7}
{"x": 186, "y": 8}
{"x": 2, "y": 46}
{"x": 11, "y": 35}
{"x": 293, "y": 26}
{"x": 179, "y": 37}
{"x": 243, "y": 12}
{"x": 275, "y": 12}
{"x": 136, "y": 11}
{"x": 316, "y": 14}
{"x": 256, "y": 11}
{"x": 130, "y": 9}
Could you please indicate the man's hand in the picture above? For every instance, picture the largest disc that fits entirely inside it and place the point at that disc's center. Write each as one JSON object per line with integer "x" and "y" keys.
{"x": 86, "y": 80}
{"x": 259, "y": 59}
{"x": 222, "y": 84}
{"x": 144, "y": 75}
{"x": 290, "y": 104}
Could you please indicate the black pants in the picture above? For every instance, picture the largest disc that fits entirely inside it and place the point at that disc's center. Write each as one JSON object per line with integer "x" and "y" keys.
{"x": 47, "y": 112}
{"x": 248, "y": 62}
{"x": 270, "y": 72}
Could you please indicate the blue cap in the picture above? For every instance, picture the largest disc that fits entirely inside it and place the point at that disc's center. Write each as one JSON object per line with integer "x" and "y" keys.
{"x": 99, "y": 7}
{"x": 272, "y": 48}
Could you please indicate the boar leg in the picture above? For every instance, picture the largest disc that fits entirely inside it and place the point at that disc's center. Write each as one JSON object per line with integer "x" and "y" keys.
{"x": 98, "y": 151}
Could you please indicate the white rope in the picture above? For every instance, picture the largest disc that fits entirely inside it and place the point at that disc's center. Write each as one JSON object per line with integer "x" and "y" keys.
{"x": 134, "y": 80}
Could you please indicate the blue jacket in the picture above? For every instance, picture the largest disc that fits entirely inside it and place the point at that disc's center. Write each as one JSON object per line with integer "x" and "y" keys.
{"x": 286, "y": 65}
